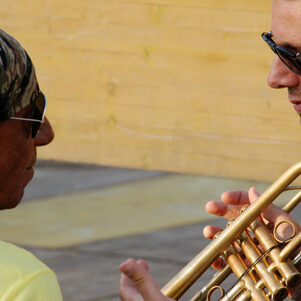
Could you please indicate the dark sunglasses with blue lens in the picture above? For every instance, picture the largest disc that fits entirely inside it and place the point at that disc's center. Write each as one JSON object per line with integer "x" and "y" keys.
{"x": 38, "y": 114}
{"x": 291, "y": 59}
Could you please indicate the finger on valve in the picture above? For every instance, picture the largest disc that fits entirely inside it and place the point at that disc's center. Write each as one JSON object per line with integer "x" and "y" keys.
{"x": 209, "y": 232}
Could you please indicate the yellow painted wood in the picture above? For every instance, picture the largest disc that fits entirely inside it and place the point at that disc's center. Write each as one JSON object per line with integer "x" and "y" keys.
{"x": 177, "y": 85}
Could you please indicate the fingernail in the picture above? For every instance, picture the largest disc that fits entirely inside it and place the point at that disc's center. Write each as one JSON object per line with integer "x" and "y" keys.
{"x": 125, "y": 269}
{"x": 128, "y": 272}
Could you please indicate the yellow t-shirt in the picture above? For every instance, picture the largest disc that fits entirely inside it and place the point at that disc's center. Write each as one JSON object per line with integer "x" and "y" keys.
{"x": 24, "y": 278}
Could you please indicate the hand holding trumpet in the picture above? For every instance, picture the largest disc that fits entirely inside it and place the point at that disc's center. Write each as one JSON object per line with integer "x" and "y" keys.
{"x": 137, "y": 283}
{"x": 230, "y": 207}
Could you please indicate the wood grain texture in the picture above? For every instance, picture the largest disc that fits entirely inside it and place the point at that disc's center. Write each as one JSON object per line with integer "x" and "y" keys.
{"x": 176, "y": 85}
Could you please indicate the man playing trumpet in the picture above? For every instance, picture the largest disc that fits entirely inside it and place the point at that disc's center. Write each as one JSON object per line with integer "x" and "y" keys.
{"x": 285, "y": 40}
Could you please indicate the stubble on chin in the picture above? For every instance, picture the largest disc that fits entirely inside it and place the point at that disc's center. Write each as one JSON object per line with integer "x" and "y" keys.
{"x": 294, "y": 92}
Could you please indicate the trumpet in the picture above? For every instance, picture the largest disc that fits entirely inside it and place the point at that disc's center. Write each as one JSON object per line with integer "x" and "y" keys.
{"x": 266, "y": 267}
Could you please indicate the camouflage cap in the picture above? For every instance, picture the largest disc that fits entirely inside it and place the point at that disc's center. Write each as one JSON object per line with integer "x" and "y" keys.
{"x": 18, "y": 82}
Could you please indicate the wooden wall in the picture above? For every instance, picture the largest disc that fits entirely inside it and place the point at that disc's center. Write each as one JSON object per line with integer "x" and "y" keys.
{"x": 176, "y": 85}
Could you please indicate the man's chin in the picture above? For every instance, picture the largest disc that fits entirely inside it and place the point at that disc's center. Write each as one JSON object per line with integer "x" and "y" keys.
{"x": 13, "y": 200}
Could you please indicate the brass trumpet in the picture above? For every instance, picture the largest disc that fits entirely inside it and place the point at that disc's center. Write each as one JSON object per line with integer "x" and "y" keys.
{"x": 261, "y": 262}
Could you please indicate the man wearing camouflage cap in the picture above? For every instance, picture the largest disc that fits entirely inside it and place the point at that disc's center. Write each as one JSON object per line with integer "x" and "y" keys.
{"x": 23, "y": 127}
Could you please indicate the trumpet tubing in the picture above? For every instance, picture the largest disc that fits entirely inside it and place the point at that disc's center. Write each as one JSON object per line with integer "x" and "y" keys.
{"x": 262, "y": 263}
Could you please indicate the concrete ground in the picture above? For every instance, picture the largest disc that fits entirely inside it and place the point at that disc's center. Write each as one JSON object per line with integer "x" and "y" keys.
{"x": 84, "y": 220}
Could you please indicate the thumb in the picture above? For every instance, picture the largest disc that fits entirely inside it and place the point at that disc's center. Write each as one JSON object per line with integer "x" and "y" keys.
{"x": 272, "y": 213}
{"x": 137, "y": 271}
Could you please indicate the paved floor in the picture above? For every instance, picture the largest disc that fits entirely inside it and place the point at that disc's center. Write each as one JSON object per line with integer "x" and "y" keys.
{"x": 83, "y": 221}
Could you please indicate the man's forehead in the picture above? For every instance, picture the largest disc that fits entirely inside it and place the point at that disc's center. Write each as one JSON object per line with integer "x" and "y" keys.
{"x": 286, "y": 21}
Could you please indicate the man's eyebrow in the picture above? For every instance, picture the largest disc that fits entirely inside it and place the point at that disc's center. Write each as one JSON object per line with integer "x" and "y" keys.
{"x": 289, "y": 46}
{"x": 286, "y": 45}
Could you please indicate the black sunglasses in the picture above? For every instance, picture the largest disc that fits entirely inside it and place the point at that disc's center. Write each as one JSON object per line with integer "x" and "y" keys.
{"x": 38, "y": 114}
{"x": 290, "y": 59}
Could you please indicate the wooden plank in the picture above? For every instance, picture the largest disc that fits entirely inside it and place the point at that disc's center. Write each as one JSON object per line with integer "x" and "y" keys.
{"x": 175, "y": 85}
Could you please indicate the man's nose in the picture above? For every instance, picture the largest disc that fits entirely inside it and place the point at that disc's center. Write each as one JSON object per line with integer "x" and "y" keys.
{"x": 281, "y": 76}
{"x": 45, "y": 134}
